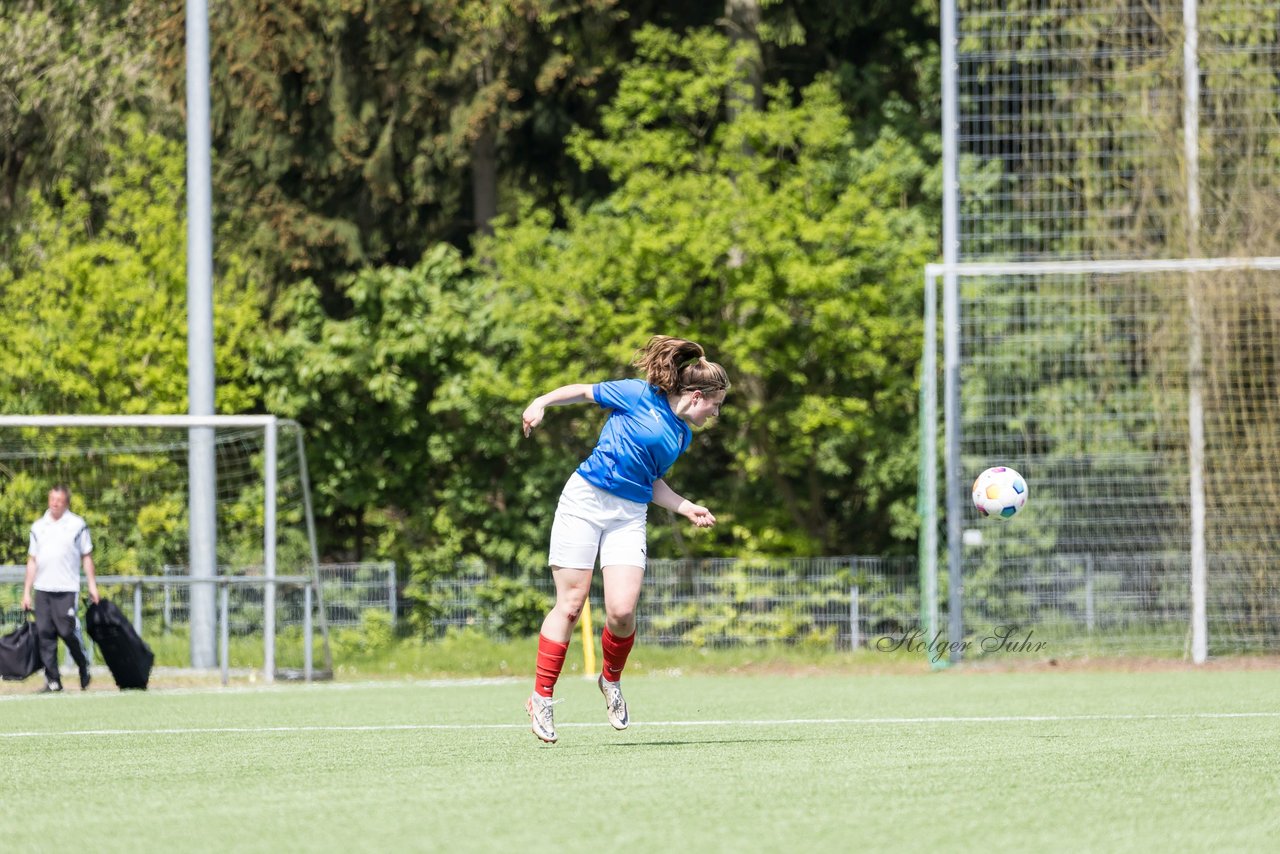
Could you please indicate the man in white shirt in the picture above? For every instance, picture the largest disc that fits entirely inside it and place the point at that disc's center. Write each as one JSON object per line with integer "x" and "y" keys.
{"x": 60, "y": 548}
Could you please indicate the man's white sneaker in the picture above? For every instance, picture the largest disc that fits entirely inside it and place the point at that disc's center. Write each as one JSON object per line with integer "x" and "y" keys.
{"x": 614, "y": 704}
{"x": 542, "y": 716}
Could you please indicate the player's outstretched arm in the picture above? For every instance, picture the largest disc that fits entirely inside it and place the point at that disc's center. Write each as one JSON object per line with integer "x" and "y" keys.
{"x": 665, "y": 496}
{"x": 574, "y": 393}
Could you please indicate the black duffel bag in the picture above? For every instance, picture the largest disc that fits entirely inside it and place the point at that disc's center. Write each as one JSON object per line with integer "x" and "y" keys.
{"x": 127, "y": 655}
{"x": 20, "y": 651}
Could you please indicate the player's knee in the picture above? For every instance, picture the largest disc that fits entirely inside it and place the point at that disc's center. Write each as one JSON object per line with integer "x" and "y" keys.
{"x": 621, "y": 620}
{"x": 571, "y": 608}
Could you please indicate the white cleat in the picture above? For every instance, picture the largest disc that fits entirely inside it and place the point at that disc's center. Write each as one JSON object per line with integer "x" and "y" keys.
{"x": 615, "y": 706}
{"x": 542, "y": 716}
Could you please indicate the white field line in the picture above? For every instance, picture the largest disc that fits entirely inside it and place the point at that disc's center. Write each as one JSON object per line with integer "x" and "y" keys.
{"x": 262, "y": 688}
{"x": 255, "y": 730}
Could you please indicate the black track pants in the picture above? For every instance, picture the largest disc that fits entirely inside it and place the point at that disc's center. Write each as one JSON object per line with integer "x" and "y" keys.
{"x": 56, "y": 618}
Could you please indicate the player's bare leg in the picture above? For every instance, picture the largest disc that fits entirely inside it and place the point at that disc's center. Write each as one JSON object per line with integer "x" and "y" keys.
{"x": 621, "y": 593}
{"x": 572, "y": 586}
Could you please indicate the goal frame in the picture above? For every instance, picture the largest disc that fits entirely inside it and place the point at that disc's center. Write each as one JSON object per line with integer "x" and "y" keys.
{"x": 950, "y": 275}
{"x": 269, "y": 424}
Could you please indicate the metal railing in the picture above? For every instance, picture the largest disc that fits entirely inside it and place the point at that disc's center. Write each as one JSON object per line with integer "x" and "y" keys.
{"x": 1117, "y": 604}
{"x": 1078, "y": 604}
{"x": 833, "y": 601}
{"x": 349, "y": 589}
{"x": 248, "y": 617}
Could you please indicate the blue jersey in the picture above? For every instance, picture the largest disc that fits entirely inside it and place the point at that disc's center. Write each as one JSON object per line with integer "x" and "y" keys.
{"x": 639, "y": 442}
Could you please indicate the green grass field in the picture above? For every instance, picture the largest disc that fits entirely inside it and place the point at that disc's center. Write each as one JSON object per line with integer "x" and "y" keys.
{"x": 959, "y": 760}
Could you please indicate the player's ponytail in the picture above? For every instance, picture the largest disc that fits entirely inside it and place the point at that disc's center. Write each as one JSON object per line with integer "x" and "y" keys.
{"x": 674, "y": 365}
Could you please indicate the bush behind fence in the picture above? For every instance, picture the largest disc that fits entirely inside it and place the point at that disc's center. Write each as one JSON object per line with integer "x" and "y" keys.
{"x": 1076, "y": 603}
{"x": 831, "y": 601}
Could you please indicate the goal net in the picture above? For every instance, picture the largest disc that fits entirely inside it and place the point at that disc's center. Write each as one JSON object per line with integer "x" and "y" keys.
{"x": 1109, "y": 299}
{"x": 1086, "y": 383}
{"x": 131, "y": 484}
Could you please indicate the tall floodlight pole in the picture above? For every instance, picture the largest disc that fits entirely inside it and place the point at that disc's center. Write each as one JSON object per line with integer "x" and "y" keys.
{"x": 1195, "y": 354}
{"x": 200, "y": 461}
{"x": 951, "y": 327}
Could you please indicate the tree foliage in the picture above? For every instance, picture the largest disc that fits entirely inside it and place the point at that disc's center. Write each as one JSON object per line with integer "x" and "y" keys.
{"x": 643, "y": 181}
{"x": 97, "y": 325}
{"x": 410, "y": 452}
{"x": 97, "y": 317}
{"x": 789, "y": 252}
{"x": 349, "y": 132}
{"x": 72, "y": 72}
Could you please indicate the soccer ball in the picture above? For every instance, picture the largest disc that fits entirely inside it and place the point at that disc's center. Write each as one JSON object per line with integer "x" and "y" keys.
{"x": 999, "y": 491}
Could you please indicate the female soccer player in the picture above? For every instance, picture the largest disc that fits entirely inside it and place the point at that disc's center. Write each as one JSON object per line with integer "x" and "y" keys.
{"x": 603, "y": 506}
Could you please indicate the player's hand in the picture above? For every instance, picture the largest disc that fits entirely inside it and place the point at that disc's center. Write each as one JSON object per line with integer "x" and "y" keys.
{"x": 26, "y": 601}
{"x": 700, "y": 516}
{"x": 533, "y": 417}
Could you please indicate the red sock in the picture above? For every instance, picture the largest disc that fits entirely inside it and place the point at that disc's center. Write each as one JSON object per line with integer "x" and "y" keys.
{"x": 615, "y": 651}
{"x": 550, "y": 662}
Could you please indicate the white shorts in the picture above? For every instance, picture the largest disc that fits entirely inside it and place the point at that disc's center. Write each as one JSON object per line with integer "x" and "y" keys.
{"x": 590, "y": 521}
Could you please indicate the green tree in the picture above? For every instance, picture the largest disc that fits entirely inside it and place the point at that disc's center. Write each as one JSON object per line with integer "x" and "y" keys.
{"x": 97, "y": 324}
{"x": 791, "y": 253}
{"x": 410, "y": 452}
{"x": 881, "y": 56}
{"x": 97, "y": 315}
{"x": 72, "y": 73}
{"x": 360, "y": 134}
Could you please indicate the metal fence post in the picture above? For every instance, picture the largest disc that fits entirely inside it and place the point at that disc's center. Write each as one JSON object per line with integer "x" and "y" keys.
{"x": 167, "y": 610}
{"x": 306, "y": 632}
{"x": 391, "y": 592}
{"x": 1088, "y": 593}
{"x": 855, "y": 627}
{"x": 137, "y": 608}
{"x": 224, "y": 634}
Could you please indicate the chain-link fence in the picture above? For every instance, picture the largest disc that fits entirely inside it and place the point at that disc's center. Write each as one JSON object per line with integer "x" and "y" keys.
{"x": 159, "y": 607}
{"x": 1125, "y": 603}
{"x": 1063, "y": 606}
{"x": 348, "y": 590}
{"x": 1108, "y": 314}
{"x": 163, "y": 602}
{"x": 1073, "y": 604}
{"x": 830, "y": 601}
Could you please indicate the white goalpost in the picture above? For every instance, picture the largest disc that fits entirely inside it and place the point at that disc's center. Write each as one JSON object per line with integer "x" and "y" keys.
{"x": 129, "y": 477}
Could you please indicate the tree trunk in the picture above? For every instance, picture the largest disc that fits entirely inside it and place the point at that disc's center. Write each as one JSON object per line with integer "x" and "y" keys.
{"x": 484, "y": 165}
{"x": 742, "y": 21}
{"x": 484, "y": 180}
